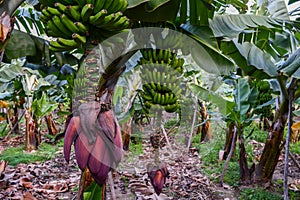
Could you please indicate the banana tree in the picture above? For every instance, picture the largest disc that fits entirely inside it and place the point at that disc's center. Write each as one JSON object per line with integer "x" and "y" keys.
{"x": 41, "y": 108}
{"x": 240, "y": 113}
{"x": 256, "y": 54}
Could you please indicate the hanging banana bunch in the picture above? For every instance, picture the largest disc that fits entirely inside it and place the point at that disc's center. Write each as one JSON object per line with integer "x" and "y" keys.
{"x": 160, "y": 71}
{"x": 71, "y": 22}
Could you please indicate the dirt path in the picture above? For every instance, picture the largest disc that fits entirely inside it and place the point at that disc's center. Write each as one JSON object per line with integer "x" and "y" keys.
{"x": 55, "y": 179}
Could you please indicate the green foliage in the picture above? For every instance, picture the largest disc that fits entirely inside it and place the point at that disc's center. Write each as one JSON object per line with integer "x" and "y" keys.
{"x": 93, "y": 192}
{"x": 232, "y": 175}
{"x": 170, "y": 123}
{"x": 3, "y": 126}
{"x": 254, "y": 133}
{"x": 293, "y": 195}
{"x": 136, "y": 149}
{"x": 16, "y": 155}
{"x": 210, "y": 150}
{"x": 209, "y": 153}
{"x": 295, "y": 148}
{"x": 21, "y": 44}
{"x": 258, "y": 194}
{"x": 42, "y": 107}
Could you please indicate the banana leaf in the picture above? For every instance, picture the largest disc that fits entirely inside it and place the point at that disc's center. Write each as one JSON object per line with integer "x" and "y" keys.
{"x": 291, "y": 67}
{"x": 20, "y": 45}
{"x": 153, "y": 10}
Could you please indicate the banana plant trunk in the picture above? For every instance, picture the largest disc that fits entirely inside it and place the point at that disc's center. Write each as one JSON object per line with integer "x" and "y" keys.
{"x": 13, "y": 115}
{"x": 30, "y": 137}
{"x": 37, "y": 130}
{"x": 273, "y": 146}
{"x": 229, "y": 138}
{"x": 204, "y": 129}
{"x": 51, "y": 124}
{"x": 126, "y": 130}
{"x": 245, "y": 175}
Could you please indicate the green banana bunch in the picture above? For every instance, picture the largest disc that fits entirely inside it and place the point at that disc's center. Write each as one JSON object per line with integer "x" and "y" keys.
{"x": 113, "y": 22}
{"x": 69, "y": 20}
{"x": 160, "y": 56}
{"x": 160, "y": 70}
{"x": 153, "y": 94}
{"x": 110, "y": 6}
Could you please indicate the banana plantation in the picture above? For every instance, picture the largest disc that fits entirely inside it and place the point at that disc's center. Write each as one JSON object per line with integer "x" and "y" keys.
{"x": 149, "y": 99}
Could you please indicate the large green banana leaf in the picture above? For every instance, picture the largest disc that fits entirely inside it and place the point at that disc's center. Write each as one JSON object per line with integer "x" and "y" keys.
{"x": 9, "y": 6}
{"x": 278, "y": 9}
{"x": 259, "y": 63}
{"x": 291, "y": 67}
{"x": 241, "y": 97}
{"x": 225, "y": 106}
{"x": 8, "y": 72}
{"x": 153, "y": 10}
{"x": 232, "y": 25}
{"x": 20, "y": 45}
{"x": 207, "y": 54}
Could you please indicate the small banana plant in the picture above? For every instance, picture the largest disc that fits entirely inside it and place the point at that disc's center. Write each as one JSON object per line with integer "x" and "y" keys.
{"x": 31, "y": 82}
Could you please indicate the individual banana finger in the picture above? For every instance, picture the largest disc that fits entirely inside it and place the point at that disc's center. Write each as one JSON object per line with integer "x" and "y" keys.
{"x": 171, "y": 108}
{"x": 79, "y": 38}
{"x": 146, "y": 97}
{"x": 86, "y": 12}
{"x": 44, "y": 19}
{"x": 46, "y": 13}
{"x": 58, "y": 23}
{"x": 53, "y": 30}
{"x": 116, "y": 6}
{"x": 108, "y": 19}
{"x": 62, "y": 8}
{"x": 98, "y": 5}
{"x": 108, "y": 4}
{"x": 159, "y": 98}
{"x": 68, "y": 42}
{"x": 98, "y": 18}
{"x": 58, "y": 47}
{"x": 69, "y": 24}
{"x": 119, "y": 24}
{"x": 82, "y": 28}
{"x": 73, "y": 12}
{"x": 53, "y": 11}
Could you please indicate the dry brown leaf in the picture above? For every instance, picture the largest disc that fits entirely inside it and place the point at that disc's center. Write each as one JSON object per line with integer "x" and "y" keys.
{"x": 25, "y": 182}
{"x": 28, "y": 196}
{"x": 295, "y": 185}
{"x": 5, "y": 26}
{"x": 3, "y": 165}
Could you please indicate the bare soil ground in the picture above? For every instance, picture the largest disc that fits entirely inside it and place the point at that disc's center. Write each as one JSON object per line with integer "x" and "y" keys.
{"x": 55, "y": 179}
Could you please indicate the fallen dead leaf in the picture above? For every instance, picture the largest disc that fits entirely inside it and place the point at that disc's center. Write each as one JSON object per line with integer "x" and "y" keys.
{"x": 28, "y": 196}
{"x": 26, "y": 183}
{"x": 3, "y": 165}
